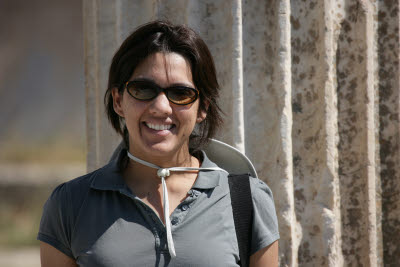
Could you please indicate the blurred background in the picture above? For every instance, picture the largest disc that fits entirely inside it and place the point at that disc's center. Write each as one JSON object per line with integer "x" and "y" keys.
{"x": 42, "y": 115}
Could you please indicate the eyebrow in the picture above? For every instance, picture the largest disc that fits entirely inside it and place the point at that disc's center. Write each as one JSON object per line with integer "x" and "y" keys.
{"x": 153, "y": 82}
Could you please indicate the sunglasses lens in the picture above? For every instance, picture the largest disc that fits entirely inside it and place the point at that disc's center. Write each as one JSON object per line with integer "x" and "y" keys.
{"x": 181, "y": 95}
{"x": 142, "y": 90}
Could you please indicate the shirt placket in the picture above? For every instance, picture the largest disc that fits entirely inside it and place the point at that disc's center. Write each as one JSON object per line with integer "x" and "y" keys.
{"x": 181, "y": 211}
{"x": 157, "y": 226}
{"x": 154, "y": 222}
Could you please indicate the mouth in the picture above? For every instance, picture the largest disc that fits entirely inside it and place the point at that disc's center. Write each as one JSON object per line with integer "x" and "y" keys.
{"x": 159, "y": 127}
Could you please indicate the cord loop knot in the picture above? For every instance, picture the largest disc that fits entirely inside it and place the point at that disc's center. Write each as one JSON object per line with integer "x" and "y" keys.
{"x": 163, "y": 173}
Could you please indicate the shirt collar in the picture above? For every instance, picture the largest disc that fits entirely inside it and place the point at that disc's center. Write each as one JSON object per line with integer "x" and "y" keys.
{"x": 109, "y": 177}
{"x": 208, "y": 179}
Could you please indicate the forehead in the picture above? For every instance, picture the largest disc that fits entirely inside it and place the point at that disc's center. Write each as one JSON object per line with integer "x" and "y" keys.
{"x": 165, "y": 69}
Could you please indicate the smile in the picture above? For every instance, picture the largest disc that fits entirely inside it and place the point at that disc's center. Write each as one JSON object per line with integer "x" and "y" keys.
{"x": 158, "y": 127}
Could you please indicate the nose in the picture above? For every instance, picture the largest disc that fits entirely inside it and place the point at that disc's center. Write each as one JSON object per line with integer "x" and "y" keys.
{"x": 160, "y": 105}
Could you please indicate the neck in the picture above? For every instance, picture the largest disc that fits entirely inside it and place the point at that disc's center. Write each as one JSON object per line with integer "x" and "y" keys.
{"x": 140, "y": 171}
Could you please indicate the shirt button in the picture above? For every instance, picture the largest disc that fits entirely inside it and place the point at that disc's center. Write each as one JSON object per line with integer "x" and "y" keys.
{"x": 174, "y": 221}
{"x": 185, "y": 207}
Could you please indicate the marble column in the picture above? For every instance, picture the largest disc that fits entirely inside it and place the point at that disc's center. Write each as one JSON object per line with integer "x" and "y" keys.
{"x": 310, "y": 90}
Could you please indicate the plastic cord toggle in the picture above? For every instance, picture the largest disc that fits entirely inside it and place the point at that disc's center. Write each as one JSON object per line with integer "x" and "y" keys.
{"x": 163, "y": 173}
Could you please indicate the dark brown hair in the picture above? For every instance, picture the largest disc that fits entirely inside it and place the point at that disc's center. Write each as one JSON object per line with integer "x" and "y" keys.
{"x": 162, "y": 36}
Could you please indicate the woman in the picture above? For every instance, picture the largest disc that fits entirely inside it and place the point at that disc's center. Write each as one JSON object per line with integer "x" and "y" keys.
{"x": 161, "y": 98}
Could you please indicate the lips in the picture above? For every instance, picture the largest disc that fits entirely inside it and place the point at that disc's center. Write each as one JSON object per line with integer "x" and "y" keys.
{"x": 159, "y": 127}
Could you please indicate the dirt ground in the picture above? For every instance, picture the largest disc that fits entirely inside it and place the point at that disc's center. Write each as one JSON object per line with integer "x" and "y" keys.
{"x": 23, "y": 191}
{"x": 26, "y": 257}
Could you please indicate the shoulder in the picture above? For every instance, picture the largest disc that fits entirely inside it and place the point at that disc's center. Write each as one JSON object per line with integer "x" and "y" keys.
{"x": 62, "y": 206}
{"x": 261, "y": 194}
{"x": 265, "y": 223}
{"x": 60, "y": 212}
{"x": 68, "y": 196}
{"x": 260, "y": 190}
{"x": 75, "y": 186}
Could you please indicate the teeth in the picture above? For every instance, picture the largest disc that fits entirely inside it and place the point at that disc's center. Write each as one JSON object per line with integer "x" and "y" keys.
{"x": 158, "y": 127}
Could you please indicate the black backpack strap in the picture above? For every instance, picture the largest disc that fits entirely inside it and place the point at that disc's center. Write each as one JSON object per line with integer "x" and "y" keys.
{"x": 242, "y": 208}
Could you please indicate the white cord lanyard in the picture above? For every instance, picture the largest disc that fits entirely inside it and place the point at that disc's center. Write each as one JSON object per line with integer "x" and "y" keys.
{"x": 162, "y": 173}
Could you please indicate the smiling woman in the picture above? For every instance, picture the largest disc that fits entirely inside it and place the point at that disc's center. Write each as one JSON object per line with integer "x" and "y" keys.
{"x": 163, "y": 38}
{"x": 159, "y": 130}
{"x": 161, "y": 201}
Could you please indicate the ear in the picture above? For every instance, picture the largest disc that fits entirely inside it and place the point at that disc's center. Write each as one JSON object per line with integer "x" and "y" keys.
{"x": 202, "y": 113}
{"x": 117, "y": 102}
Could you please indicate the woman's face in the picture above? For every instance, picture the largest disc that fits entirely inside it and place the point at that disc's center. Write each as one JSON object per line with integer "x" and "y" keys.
{"x": 159, "y": 128}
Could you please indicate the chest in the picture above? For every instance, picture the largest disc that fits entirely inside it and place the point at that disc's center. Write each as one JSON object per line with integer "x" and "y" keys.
{"x": 129, "y": 233}
{"x": 152, "y": 195}
{"x": 155, "y": 202}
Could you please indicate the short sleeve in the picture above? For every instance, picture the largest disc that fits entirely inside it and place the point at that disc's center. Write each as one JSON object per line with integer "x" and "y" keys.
{"x": 265, "y": 224}
{"x": 55, "y": 226}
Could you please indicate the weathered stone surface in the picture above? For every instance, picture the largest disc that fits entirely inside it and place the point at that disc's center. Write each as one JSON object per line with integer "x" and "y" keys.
{"x": 100, "y": 39}
{"x": 267, "y": 94}
{"x": 314, "y": 134}
{"x": 388, "y": 60}
{"x": 106, "y": 24}
{"x": 357, "y": 135}
{"x": 207, "y": 18}
{"x": 310, "y": 90}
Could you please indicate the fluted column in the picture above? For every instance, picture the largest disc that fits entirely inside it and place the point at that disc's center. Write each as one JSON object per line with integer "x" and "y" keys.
{"x": 310, "y": 90}
{"x": 356, "y": 97}
{"x": 105, "y": 24}
{"x": 314, "y": 133}
{"x": 389, "y": 124}
{"x": 268, "y": 109}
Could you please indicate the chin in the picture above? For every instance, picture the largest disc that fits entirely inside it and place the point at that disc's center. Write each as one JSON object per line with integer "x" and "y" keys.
{"x": 160, "y": 150}
{"x": 163, "y": 149}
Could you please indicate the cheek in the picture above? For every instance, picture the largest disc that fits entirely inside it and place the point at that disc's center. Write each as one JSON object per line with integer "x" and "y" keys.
{"x": 186, "y": 114}
{"x": 132, "y": 114}
{"x": 134, "y": 107}
{"x": 190, "y": 119}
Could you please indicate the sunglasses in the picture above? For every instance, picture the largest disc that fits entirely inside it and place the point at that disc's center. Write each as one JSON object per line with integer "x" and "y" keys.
{"x": 146, "y": 90}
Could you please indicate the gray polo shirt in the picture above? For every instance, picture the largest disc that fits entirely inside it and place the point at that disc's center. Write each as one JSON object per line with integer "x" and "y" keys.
{"x": 98, "y": 221}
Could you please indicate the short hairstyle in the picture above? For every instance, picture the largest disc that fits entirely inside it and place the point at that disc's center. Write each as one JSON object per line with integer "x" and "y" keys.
{"x": 163, "y": 36}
